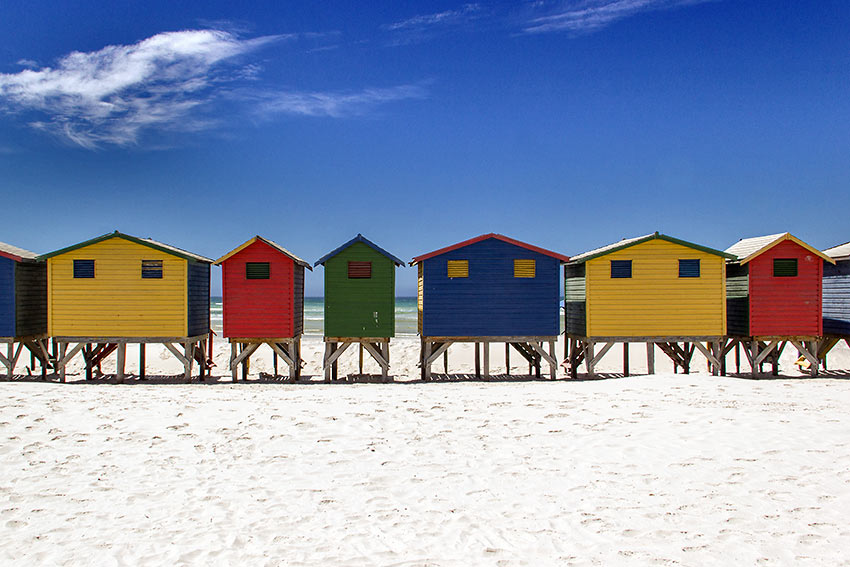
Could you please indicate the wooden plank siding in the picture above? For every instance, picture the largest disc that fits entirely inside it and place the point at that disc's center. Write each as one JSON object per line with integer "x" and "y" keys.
{"x": 298, "y": 307}
{"x": 836, "y": 298}
{"x": 198, "y": 298}
{"x": 786, "y": 306}
{"x": 117, "y": 302}
{"x": 575, "y": 300}
{"x": 30, "y": 298}
{"x": 7, "y": 297}
{"x": 359, "y": 307}
{"x": 490, "y": 301}
{"x": 655, "y": 301}
{"x": 257, "y": 308}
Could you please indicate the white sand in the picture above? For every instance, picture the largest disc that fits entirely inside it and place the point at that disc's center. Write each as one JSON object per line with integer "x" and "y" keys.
{"x": 666, "y": 469}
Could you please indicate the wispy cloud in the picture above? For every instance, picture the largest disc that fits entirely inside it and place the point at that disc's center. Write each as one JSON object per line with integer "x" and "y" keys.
{"x": 590, "y": 15}
{"x": 332, "y": 104}
{"x": 418, "y": 28}
{"x": 170, "y": 82}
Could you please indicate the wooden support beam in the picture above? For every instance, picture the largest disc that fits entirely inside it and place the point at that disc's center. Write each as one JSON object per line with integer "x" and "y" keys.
{"x": 485, "y": 347}
{"x": 189, "y": 348}
{"x": 119, "y": 365}
{"x": 650, "y": 358}
{"x": 425, "y": 356}
{"x": 142, "y": 361}
{"x": 508, "y": 359}
{"x": 708, "y": 352}
{"x": 375, "y": 351}
{"x": 553, "y": 368}
{"x": 588, "y": 357}
{"x": 601, "y": 353}
{"x": 443, "y": 349}
{"x": 804, "y": 349}
{"x": 233, "y": 367}
{"x": 177, "y": 354}
{"x": 477, "y": 361}
{"x": 759, "y": 358}
{"x": 278, "y": 350}
{"x": 625, "y": 359}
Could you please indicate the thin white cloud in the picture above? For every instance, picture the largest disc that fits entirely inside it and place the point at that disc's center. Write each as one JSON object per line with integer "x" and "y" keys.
{"x": 590, "y": 15}
{"x": 113, "y": 95}
{"x": 27, "y": 63}
{"x": 439, "y": 18}
{"x": 333, "y": 104}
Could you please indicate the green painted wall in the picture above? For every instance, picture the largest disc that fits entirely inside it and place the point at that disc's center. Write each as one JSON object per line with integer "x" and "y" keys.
{"x": 359, "y": 307}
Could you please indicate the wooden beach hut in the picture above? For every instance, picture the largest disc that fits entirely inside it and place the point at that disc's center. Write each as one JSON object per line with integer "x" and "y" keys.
{"x": 836, "y": 299}
{"x": 653, "y": 289}
{"x": 117, "y": 289}
{"x": 489, "y": 289}
{"x": 774, "y": 295}
{"x": 23, "y": 307}
{"x": 263, "y": 293}
{"x": 359, "y": 302}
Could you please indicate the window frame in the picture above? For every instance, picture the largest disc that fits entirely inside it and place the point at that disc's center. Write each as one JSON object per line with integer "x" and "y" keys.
{"x": 268, "y": 271}
{"x": 518, "y": 269}
{"x": 795, "y": 262}
{"x": 457, "y": 264}
{"x": 621, "y": 264}
{"x": 148, "y": 273}
{"x": 359, "y": 265}
{"x": 81, "y": 277}
{"x": 696, "y": 261}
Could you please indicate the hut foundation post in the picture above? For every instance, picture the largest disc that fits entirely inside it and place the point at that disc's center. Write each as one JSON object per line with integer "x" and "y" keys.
{"x": 246, "y": 364}
{"x": 625, "y": 359}
{"x": 119, "y": 366}
{"x": 426, "y": 356}
{"x": 234, "y": 368}
{"x": 274, "y": 362}
{"x": 508, "y": 359}
{"x": 553, "y": 366}
{"x": 477, "y": 362}
{"x": 588, "y": 358}
{"x": 189, "y": 349}
{"x": 141, "y": 361}
{"x": 485, "y": 346}
{"x": 360, "y": 367}
{"x": 63, "y": 348}
{"x": 446, "y": 362}
{"x": 737, "y": 357}
{"x": 650, "y": 357}
{"x": 334, "y": 368}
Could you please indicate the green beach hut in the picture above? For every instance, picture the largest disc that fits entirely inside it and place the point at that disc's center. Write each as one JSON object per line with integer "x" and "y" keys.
{"x": 359, "y": 302}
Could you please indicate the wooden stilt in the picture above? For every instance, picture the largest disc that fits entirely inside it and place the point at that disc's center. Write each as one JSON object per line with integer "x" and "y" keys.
{"x": 142, "y": 361}
{"x": 119, "y": 369}
{"x": 485, "y": 346}
{"x": 625, "y": 359}
{"x": 508, "y": 359}
{"x": 477, "y": 362}
{"x": 553, "y": 366}
{"x": 650, "y": 357}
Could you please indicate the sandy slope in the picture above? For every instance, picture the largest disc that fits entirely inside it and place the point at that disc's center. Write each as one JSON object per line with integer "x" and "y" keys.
{"x": 664, "y": 469}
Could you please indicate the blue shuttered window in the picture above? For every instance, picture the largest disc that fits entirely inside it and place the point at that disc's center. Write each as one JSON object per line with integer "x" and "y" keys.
{"x": 688, "y": 268}
{"x": 152, "y": 269}
{"x": 83, "y": 268}
{"x": 785, "y": 267}
{"x": 621, "y": 268}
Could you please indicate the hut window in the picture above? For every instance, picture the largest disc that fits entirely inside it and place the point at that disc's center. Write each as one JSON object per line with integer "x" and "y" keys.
{"x": 524, "y": 268}
{"x": 257, "y": 270}
{"x": 152, "y": 269}
{"x": 621, "y": 268}
{"x": 83, "y": 268}
{"x": 785, "y": 267}
{"x": 359, "y": 270}
{"x": 688, "y": 268}
{"x": 457, "y": 268}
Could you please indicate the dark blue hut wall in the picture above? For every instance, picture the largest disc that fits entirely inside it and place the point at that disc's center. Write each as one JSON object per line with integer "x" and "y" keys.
{"x": 7, "y": 297}
{"x": 491, "y": 302}
{"x": 31, "y": 299}
{"x": 836, "y": 298}
{"x": 575, "y": 299}
{"x": 298, "y": 307}
{"x": 199, "y": 298}
{"x": 737, "y": 300}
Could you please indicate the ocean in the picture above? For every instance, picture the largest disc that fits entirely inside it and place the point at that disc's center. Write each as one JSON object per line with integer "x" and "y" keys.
{"x": 314, "y": 307}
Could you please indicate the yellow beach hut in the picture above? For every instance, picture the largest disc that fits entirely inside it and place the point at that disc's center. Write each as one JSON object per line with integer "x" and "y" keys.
{"x": 653, "y": 289}
{"x": 117, "y": 289}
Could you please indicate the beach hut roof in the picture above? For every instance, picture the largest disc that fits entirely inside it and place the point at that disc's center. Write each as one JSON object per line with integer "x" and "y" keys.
{"x": 364, "y": 240}
{"x": 748, "y": 248}
{"x": 16, "y": 254}
{"x": 271, "y": 243}
{"x": 840, "y": 252}
{"x": 167, "y": 248}
{"x": 501, "y": 237}
{"x": 626, "y": 242}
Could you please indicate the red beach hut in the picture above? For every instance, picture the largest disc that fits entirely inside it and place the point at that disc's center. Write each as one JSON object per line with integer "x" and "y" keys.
{"x": 263, "y": 289}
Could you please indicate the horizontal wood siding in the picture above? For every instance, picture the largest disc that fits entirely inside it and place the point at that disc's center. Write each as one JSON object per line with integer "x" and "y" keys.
{"x": 198, "y": 299}
{"x": 258, "y": 307}
{"x": 359, "y": 307}
{"x": 575, "y": 307}
{"x": 655, "y": 301}
{"x": 7, "y": 297}
{"x": 31, "y": 298}
{"x": 298, "y": 305}
{"x": 786, "y": 306}
{"x": 117, "y": 301}
{"x": 836, "y": 298}
{"x": 491, "y": 301}
{"x": 737, "y": 300}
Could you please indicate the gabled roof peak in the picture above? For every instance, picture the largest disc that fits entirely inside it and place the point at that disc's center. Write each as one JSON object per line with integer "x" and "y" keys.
{"x": 627, "y": 242}
{"x": 489, "y": 236}
{"x": 149, "y": 242}
{"x": 355, "y": 240}
{"x": 747, "y": 249}
{"x": 270, "y": 243}
{"x": 16, "y": 254}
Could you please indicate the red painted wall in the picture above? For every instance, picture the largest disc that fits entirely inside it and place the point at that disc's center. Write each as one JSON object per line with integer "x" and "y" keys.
{"x": 786, "y": 305}
{"x": 258, "y": 308}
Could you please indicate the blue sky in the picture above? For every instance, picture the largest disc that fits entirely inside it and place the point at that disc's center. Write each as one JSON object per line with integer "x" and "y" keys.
{"x": 565, "y": 124}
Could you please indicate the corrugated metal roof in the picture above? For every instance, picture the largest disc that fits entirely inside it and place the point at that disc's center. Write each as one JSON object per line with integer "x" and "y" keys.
{"x": 367, "y": 242}
{"x": 483, "y": 237}
{"x": 840, "y": 252}
{"x": 16, "y": 253}
{"x": 748, "y": 246}
{"x": 271, "y": 243}
{"x": 143, "y": 241}
{"x": 578, "y": 258}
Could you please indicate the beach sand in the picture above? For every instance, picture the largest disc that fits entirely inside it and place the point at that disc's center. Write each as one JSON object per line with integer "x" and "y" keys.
{"x": 665, "y": 469}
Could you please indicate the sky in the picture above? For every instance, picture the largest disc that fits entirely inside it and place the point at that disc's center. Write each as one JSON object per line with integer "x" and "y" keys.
{"x": 565, "y": 124}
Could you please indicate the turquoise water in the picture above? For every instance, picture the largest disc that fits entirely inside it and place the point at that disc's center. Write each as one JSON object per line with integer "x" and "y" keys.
{"x": 405, "y": 315}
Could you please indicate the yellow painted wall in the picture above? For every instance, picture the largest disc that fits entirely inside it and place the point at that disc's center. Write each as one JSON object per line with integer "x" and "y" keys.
{"x": 117, "y": 302}
{"x": 655, "y": 301}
